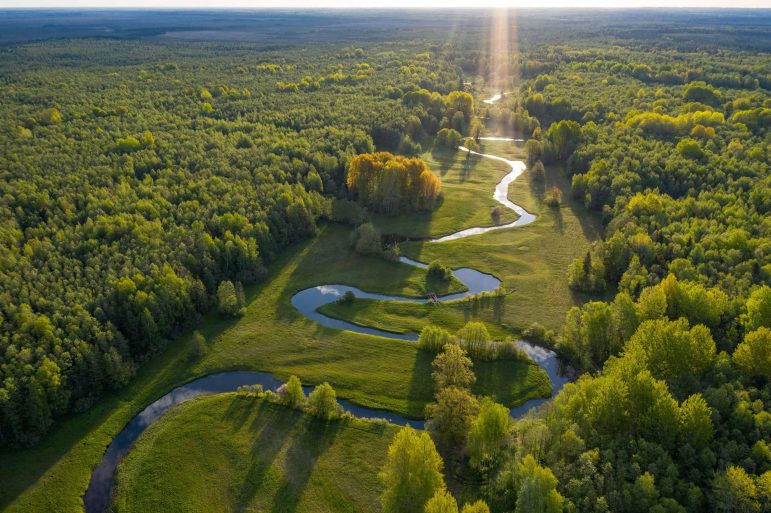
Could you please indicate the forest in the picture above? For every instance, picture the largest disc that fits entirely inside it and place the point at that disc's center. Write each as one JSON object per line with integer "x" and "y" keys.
{"x": 149, "y": 186}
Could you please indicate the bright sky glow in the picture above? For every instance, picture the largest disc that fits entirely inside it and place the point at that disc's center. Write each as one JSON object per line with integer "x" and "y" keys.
{"x": 394, "y": 4}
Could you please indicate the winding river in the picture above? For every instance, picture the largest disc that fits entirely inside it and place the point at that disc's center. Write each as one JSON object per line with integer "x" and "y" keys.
{"x": 98, "y": 496}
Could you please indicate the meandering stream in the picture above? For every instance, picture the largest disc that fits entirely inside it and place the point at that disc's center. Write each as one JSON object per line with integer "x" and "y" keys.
{"x": 98, "y": 496}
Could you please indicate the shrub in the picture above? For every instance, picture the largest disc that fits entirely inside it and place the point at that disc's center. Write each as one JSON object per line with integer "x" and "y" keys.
{"x": 392, "y": 253}
{"x": 496, "y": 214}
{"x": 198, "y": 344}
{"x": 230, "y": 300}
{"x": 291, "y": 393}
{"x": 475, "y": 339}
{"x": 347, "y": 298}
{"x": 366, "y": 240}
{"x": 437, "y": 269}
{"x": 323, "y": 401}
{"x": 127, "y": 144}
{"x": 689, "y": 149}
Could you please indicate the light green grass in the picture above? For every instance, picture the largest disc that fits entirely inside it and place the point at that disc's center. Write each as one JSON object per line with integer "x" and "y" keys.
{"x": 230, "y": 453}
{"x": 467, "y": 200}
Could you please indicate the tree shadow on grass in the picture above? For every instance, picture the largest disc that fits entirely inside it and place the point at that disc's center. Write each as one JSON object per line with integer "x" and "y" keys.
{"x": 507, "y": 381}
{"x": 421, "y": 386}
{"x": 313, "y": 438}
{"x": 275, "y": 425}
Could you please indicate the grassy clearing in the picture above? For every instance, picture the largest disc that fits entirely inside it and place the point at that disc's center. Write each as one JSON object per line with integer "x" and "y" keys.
{"x": 467, "y": 184}
{"x": 273, "y": 337}
{"x": 244, "y": 454}
{"x": 531, "y": 261}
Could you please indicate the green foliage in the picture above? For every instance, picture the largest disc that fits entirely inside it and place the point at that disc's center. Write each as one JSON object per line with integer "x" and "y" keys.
{"x": 753, "y": 355}
{"x": 366, "y": 240}
{"x": 534, "y": 150}
{"x": 689, "y": 149}
{"x": 433, "y": 338}
{"x": 448, "y": 138}
{"x": 452, "y": 367}
{"x": 537, "y": 490}
{"x": 758, "y": 309}
{"x": 449, "y": 418}
{"x": 475, "y": 339}
{"x": 230, "y": 298}
{"x": 488, "y": 432}
{"x": 439, "y": 271}
{"x": 292, "y": 393}
{"x": 701, "y": 92}
{"x": 735, "y": 491}
{"x": 441, "y": 502}
{"x": 412, "y": 473}
{"x": 564, "y": 137}
{"x": 671, "y": 350}
{"x": 322, "y": 401}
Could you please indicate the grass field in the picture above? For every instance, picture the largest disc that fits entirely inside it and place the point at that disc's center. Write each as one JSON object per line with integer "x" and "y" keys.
{"x": 372, "y": 371}
{"x": 531, "y": 261}
{"x": 244, "y": 454}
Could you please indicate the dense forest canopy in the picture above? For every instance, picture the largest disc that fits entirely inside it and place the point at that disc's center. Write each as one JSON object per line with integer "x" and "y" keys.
{"x": 138, "y": 179}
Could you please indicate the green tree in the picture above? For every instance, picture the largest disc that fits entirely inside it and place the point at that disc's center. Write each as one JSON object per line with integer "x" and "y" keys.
{"x": 479, "y": 506}
{"x": 758, "y": 309}
{"x": 537, "y": 491}
{"x": 488, "y": 432}
{"x": 753, "y": 355}
{"x": 433, "y": 338}
{"x": 366, "y": 240}
{"x": 228, "y": 300}
{"x": 735, "y": 492}
{"x": 292, "y": 392}
{"x": 323, "y": 401}
{"x": 670, "y": 349}
{"x": 442, "y": 502}
{"x": 450, "y": 417}
{"x": 696, "y": 422}
{"x": 412, "y": 473}
{"x": 453, "y": 368}
{"x": 475, "y": 339}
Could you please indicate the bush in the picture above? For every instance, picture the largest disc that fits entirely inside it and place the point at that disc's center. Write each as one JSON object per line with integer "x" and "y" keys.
{"x": 475, "y": 338}
{"x": 366, "y": 240}
{"x": 323, "y": 401}
{"x": 437, "y": 269}
{"x": 198, "y": 344}
{"x": 448, "y": 138}
{"x": 496, "y": 214}
{"x": 347, "y": 298}
{"x": 291, "y": 393}
{"x": 392, "y": 253}
{"x": 230, "y": 299}
{"x": 689, "y": 149}
{"x": 433, "y": 338}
